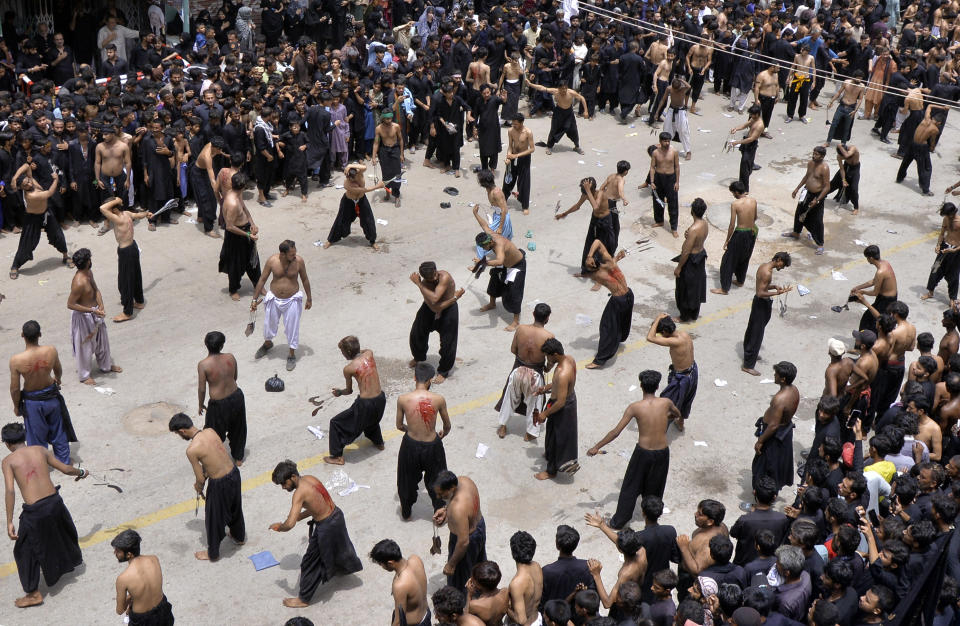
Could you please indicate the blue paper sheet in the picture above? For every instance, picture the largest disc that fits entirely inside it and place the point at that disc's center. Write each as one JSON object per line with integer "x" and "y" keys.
{"x": 263, "y": 560}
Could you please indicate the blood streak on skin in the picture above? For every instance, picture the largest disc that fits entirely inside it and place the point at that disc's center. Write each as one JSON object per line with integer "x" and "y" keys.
{"x": 365, "y": 367}
{"x": 323, "y": 493}
{"x": 32, "y": 473}
{"x": 476, "y": 503}
{"x": 426, "y": 410}
{"x": 39, "y": 365}
{"x": 616, "y": 274}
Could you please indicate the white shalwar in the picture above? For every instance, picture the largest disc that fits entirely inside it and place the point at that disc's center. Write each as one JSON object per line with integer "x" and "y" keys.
{"x": 522, "y": 385}
{"x": 676, "y": 122}
{"x": 289, "y": 309}
{"x": 89, "y": 335}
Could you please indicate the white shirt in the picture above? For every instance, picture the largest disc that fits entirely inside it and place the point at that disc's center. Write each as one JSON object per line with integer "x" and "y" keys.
{"x": 122, "y": 34}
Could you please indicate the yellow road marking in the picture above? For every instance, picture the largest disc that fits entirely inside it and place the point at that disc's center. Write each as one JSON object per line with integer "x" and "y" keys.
{"x": 264, "y": 478}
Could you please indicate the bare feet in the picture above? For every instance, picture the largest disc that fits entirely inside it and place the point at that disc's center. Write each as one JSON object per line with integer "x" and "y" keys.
{"x": 593, "y": 366}
{"x": 239, "y": 463}
{"x": 375, "y": 246}
{"x": 123, "y": 317}
{"x": 549, "y": 151}
{"x": 488, "y": 307}
{"x": 675, "y": 234}
{"x": 379, "y": 446}
{"x": 689, "y": 155}
{"x": 457, "y": 174}
{"x": 235, "y": 297}
{"x": 543, "y": 475}
{"x": 326, "y": 244}
{"x": 438, "y": 379}
{"x": 212, "y": 234}
{"x": 294, "y": 603}
{"x": 174, "y": 220}
{"x": 333, "y": 460}
{"x": 89, "y": 381}
{"x": 526, "y": 211}
{"x": 527, "y": 437}
{"x": 412, "y": 363}
{"x": 283, "y": 193}
{"x": 31, "y": 599}
{"x": 855, "y": 212}
{"x": 718, "y": 291}
{"x": 139, "y": 306}
{"x": 750, "y": 370}
{"x": 202, "y": 555}
{"x": 116, "y": 368}
{"x": 927, "y": 295}
{"x": 303, "y": 199}
{"x": 596, "y": 287}
{"x": 512, "y": 327}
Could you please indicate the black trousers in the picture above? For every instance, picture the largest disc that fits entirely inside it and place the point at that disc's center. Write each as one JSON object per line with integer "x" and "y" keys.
{"x": 887, "y": 116}
{"x": 416, "y": 461}
{"x": 646, "y": 475}
{"x": 850, "y": 193}
{"x": 292, "y": 180}
{"x": 363, "y": 416}
{"x": 563, "y": 122}
{"x": 766, "y": 109}
{"x": 350, "y": 211}
{"x": 947, "y": 266}
{"x": 610, "y": 97}
{"x": 760, "y": 312}
{"x": 223, "y": 509}
{"x": 736, "y": 258}
{"x": 919, "y": 152}
{"x": 663, "y": 185}
{"x": 794, "y": 96}
{"x": 488, "y": 162}
{"x": 520, "y": 169}
{"x": 33, "y": 225}
{"x": 614, "y": 326}
{"x": 842, "y": 124}
{"x": 809, "y": 215}
{"x": 228, "y": 417}
{"x": 696, "y": 83}
{"x": 129, "y": 277}
{"x": 447, "y": 323}
{"x": 748, "y": 153}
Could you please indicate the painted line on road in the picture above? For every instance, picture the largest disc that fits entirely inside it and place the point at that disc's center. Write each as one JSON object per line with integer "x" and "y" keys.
{"x": 262, "y": 479}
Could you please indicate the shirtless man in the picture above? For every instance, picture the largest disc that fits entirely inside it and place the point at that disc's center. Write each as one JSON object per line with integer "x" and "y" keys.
{"x": 508, "y": 270}
{"x": 421, "y": 450}
{"x": 354, "y": 205}
{"x": 646, "y": 473}
{"x": 112, "y": 161}
{"x": 766, "y": 93}
{"x": 38, "y": 401}
{"x": 450, "y": 605}
{"x": 929, "y": 433}
{"x": 130, "y": 278}
{"x": 204, "y": 183}
{"x": 615, "y": 322}
{"x": 140, "y": 587}
{"x": 439, "y": 312}
{"x": 478, "y": 72}
{"x": 901, "y": 339}
{"x": 950, "y": 342}
{"x": 691, "y": 272}
{"x": 774, "y": 446}
{"x": 742, "y": 234}
{"x": 846, "y": 182}
{"x": 529, "y": 359}
{"x": 761, "y": 309}
{"x": 511, "y": 81}
{"x": 364, "y": 415}
{"x": 947, "y": 263}
{"x": 213, "y": 466}
{"x": 564, "y": 120}
{"x": 560, "y": 447}
{"x": 466, "y": 545}
{"x": 949, "y": 413}
{"x": 409, "y": 587}
{"x": 676, "y": 121}
{"x": 809, "y": 213}
{"x": 883, "y": 286}
{"x": 804, "y": 73}
{"x": 698, "y": 60}
{"x": 388, "y": 148}
{"x": 924, "y": 142}
{"x": 695, "y": 549}
{"x": 851, "y": 95}
{"x": 238, "y": 254}
{"x": 36, "y": 219}
{"x": 682, "y": 380}
{"x": 226, "y": 410}
{"x": 665, "y": 176}
{"x": 485, "y": 599}
{"x": 838, "y": 372}
{"x": 43, "y": 514}
{"x": 864, "y": 372}
{"x": 526, "y": 587}
{"x": 605, "y": 218}
{"x": 327, "y": 527}
{"x": 631, "y": 548}
{"x": 284, "y": 299}
{"x": 661, "y": 86}
{"x": 748, "y": 143}
{"x": 520, "y": 146}
{"x": 87, "y": 330}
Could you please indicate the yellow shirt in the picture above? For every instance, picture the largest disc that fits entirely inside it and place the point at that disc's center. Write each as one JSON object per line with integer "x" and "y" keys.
{"x": 885, "y": 469}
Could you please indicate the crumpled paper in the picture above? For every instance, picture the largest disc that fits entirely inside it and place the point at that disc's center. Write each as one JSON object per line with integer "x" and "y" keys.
{"x": 719, "y": 382}
{"x": 107, "y": 391}
{"x": 837, "y": 275}
{"x": 316, "y": 431}
{"x": 482, "y": 450}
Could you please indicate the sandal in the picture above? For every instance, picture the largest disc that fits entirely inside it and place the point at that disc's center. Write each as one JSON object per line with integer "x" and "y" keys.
{"x": 14, "y": 274}
{"x": 69, "y": 263}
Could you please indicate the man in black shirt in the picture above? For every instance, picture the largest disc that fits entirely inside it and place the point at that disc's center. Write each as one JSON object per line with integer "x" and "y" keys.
{"x": 560, "y": 578}
{"x": 113, "y": 67}
{"x": 761, "y": 517}
{"x": 61, "y": 63}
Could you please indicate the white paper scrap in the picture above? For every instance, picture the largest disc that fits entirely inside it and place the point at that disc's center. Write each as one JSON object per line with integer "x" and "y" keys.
{"x": 632, "y": 388}
{"x": 382, "y": 222}
{"x": 766, "y": 381}
{"x": 837, "y": 275}
{"x": 700, "y": 443}
{"x": 719, "y": 382}
{"x": 860, "y": 243}
{"x": 316, "y": 431}
{"x": 802, "y": 290}
{"x": 482, "y": 450}
{"x": 107, "y": 391}
{"x": 583, "y": 320}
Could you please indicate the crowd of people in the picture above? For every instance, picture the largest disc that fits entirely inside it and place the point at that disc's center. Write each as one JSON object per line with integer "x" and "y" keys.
{"x": 110, "y": 130}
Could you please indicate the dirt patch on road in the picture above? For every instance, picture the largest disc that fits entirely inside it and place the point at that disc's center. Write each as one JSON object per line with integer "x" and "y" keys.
{"x": 150, "y": 419}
